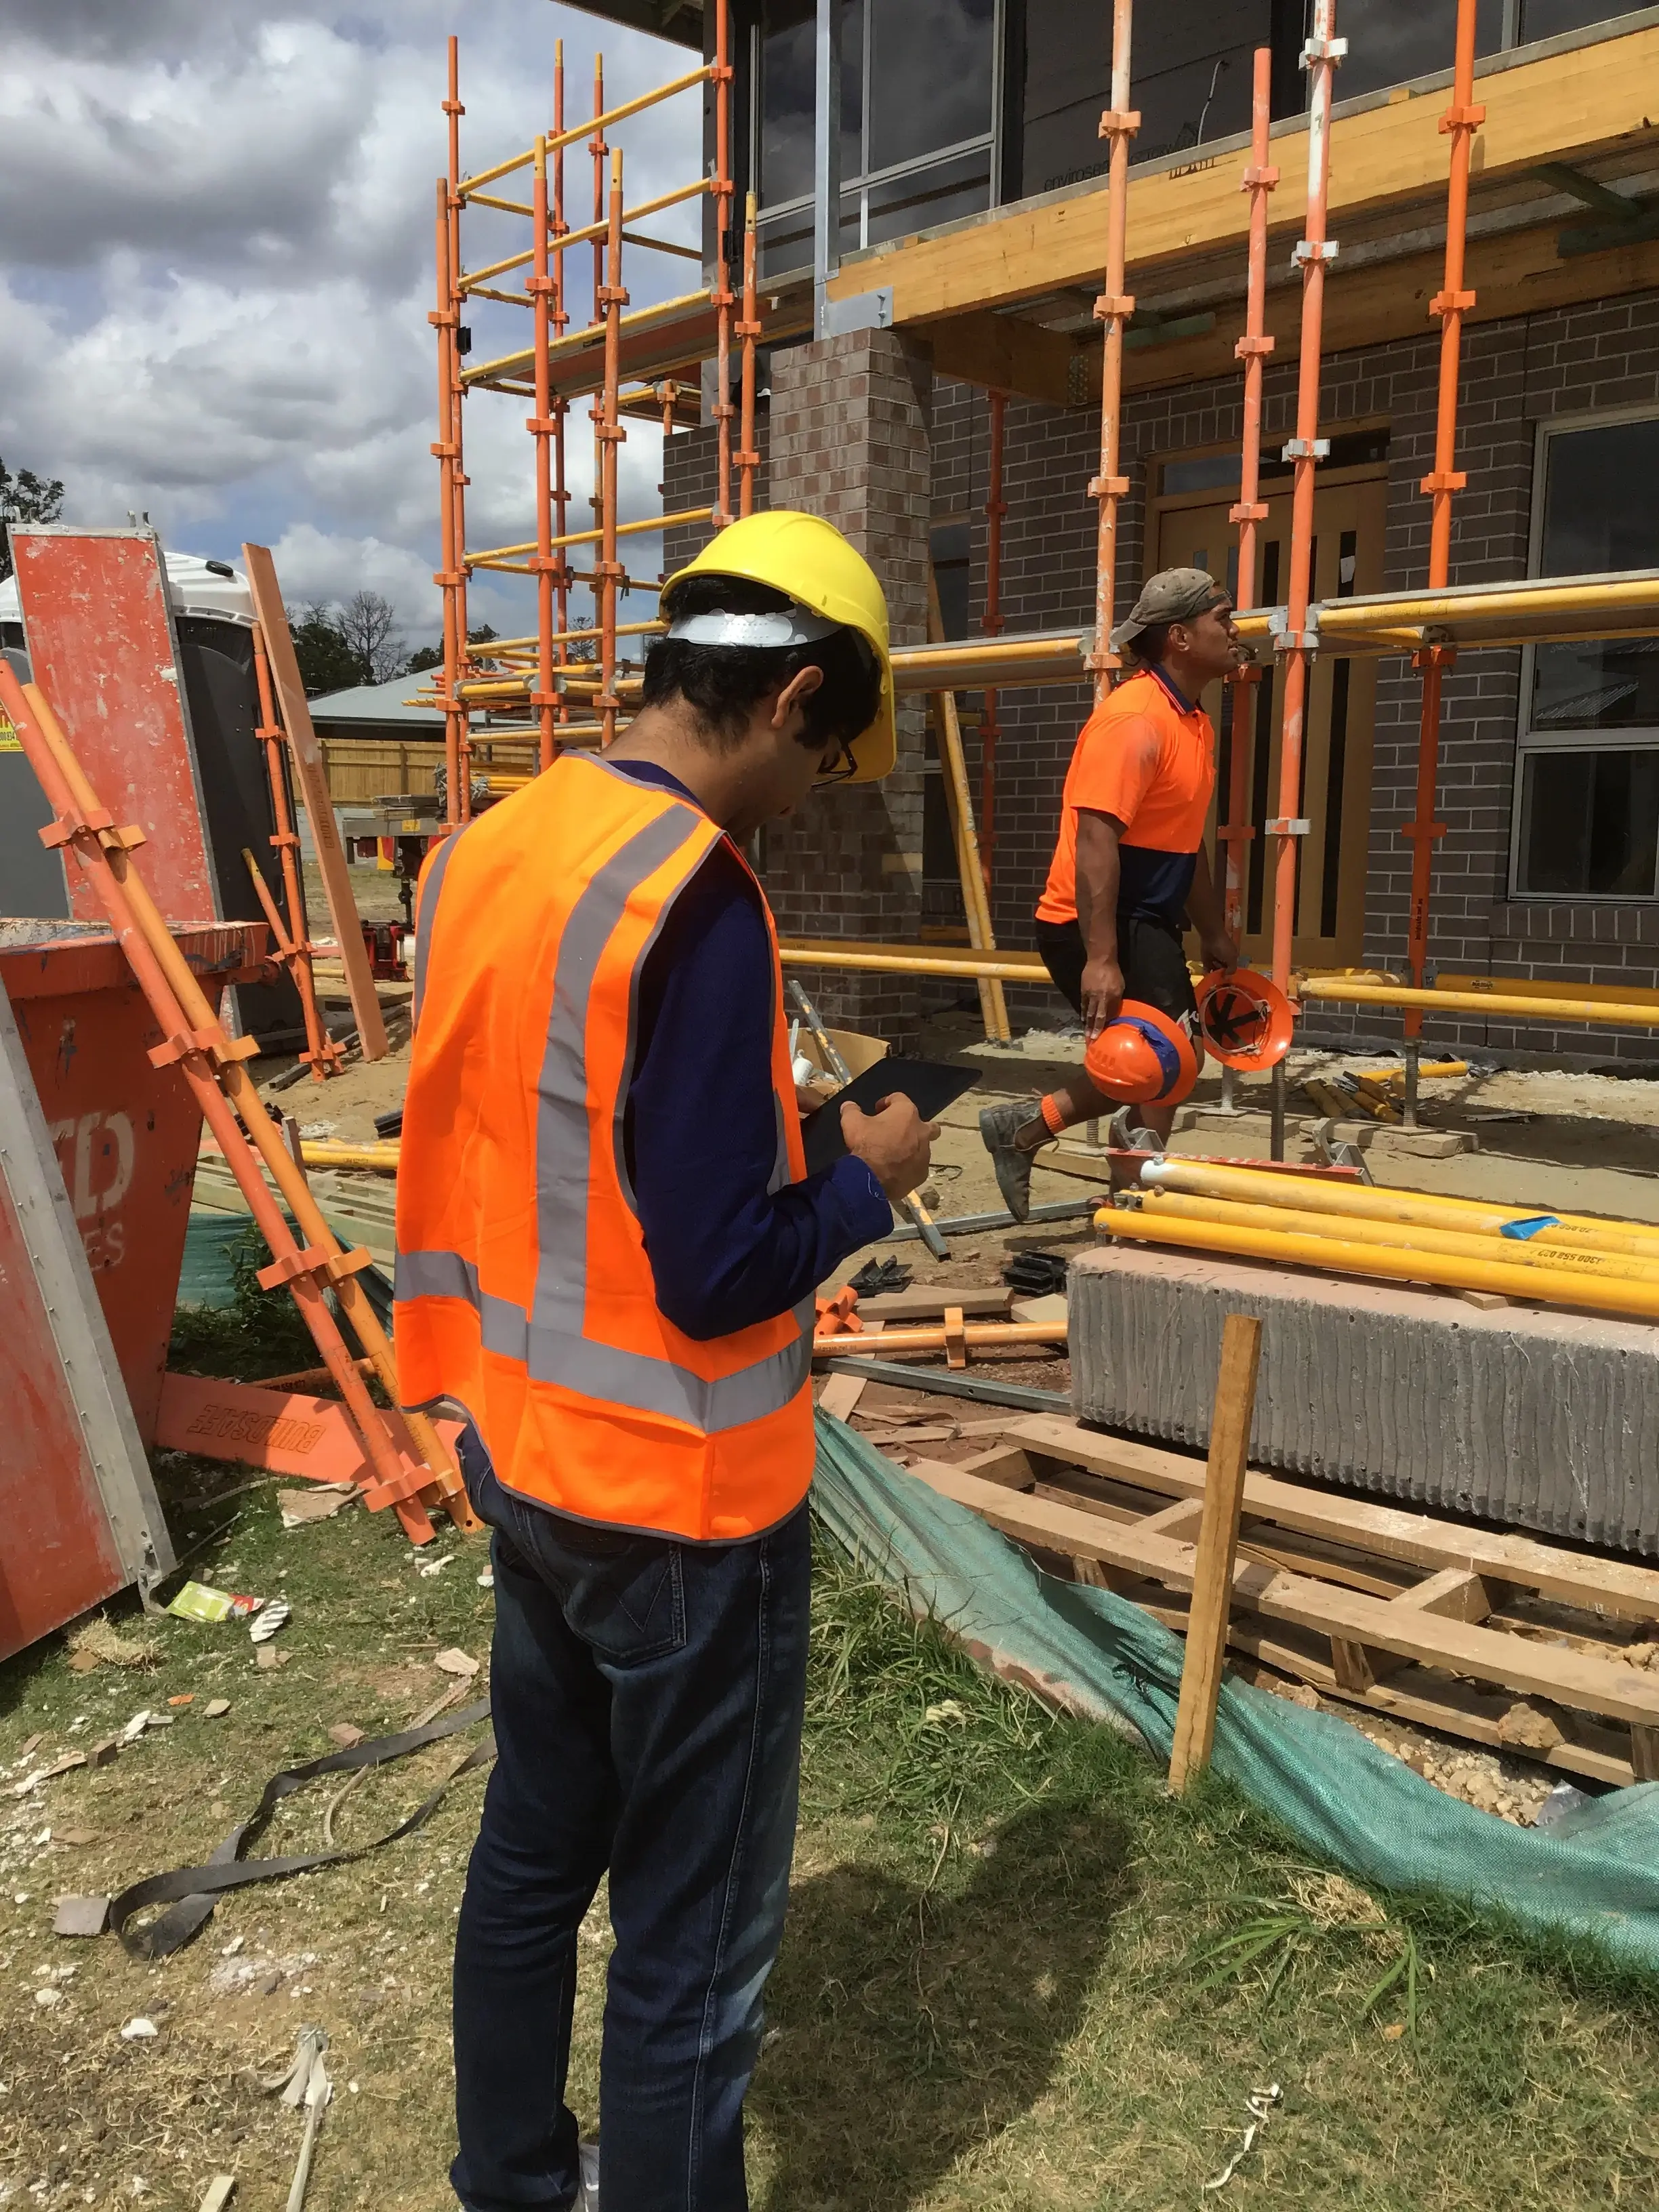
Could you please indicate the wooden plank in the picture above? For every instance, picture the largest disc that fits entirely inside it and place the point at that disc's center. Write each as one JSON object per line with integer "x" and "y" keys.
{"x": 1568, "y": 1677}
{"x": 1217, "y": 1541}
{"x": 1007, "y": 1464}
{"x": 1417, "y": 1694}
{"x": 1617, "y": 1586}
{"x": 1357, "y": 1666}
{"x": 1453, "y": 1591}
{"x": 842, "y": 1392}
{"x": 1560, "y": 108}
{"x": 927, "y": 1301}
{"x": 312, "y": 774}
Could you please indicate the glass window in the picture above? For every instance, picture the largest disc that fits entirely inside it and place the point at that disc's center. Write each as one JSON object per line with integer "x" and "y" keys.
{"x": 1391, "y": 40}
{"x": 787, "y": 36}
{"x": 1547, "y": 19}
{"x": 932, "y": 65}
{"x": 1590, "y": 824}
{"x": 1599, "y": 514}
{"x": 921, "y": 198}
{"x": 1588, "y": 820}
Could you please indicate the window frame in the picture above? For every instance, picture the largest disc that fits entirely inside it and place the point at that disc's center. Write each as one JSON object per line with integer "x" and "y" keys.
{"x": 1529, "y": 741}
{"x": 857, "y": 188}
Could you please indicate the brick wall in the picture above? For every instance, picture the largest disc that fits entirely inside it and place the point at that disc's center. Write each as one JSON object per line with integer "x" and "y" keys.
{"x": 846, "y": 437}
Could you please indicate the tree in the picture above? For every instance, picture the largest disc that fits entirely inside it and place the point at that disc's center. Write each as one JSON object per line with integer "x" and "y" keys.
{"x": 368, "y": 624}
{"x": 25, "y": 497}
{"x": 432, "y": 656}
{"x": 327, "y": 662}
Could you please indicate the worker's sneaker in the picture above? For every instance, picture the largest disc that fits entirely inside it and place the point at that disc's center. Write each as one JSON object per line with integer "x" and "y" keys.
{"x": 587, "y": 2189}
{"x": 1000, "y": 1126}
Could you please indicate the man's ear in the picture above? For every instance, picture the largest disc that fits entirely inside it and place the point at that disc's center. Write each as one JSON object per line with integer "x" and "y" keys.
{"x": 795, "y": 693}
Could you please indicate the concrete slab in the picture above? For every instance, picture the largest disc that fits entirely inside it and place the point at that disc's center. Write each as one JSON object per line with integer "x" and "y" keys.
{"x": 1536, "y": 1417}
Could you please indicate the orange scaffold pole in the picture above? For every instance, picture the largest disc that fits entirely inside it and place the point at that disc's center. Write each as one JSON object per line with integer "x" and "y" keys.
{"x": 560, "y": 407}
{"x": 459, "y": 795}
{"x": 212, "y": 1063}
{"x": 321, "y": 1055}
{"x": 445, "y": 319}
{"x": 1114, "y": 308}
{"x": 748, "y": 331}
{"x": 1314, "y": 252}
{"x": 996, "y": 509}
{"x": 1253, "y": 349}
{"x": 609, "y": 434}
{"x": 544, "y": 427}
{"x": 1234, "y": 836}
{"x": 722, "y": 296}
{"x": 1460, "y": 122}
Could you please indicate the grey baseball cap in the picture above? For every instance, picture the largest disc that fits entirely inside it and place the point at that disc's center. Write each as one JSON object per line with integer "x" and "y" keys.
{"x": 1172, "y": 595}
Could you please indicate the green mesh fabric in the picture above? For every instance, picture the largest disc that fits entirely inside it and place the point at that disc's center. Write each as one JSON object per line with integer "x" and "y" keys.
{"x": 1594, "y": 1873}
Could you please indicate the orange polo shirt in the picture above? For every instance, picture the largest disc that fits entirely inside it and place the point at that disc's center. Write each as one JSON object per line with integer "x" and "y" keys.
{"x": 1147, "y": 757}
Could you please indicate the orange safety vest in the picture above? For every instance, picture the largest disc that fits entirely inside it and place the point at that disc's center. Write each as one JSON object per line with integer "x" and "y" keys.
{"x": 524, "y": 1295}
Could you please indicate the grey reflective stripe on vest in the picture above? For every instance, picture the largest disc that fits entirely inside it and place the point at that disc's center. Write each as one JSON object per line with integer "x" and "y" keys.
{"x": 600, "y": 1371}
{"x": 428, "y": 914}
{"x": 549, "y": 1340}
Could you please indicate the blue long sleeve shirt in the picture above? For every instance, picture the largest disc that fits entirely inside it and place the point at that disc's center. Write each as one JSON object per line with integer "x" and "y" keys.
{"x": 699, "y": 1131}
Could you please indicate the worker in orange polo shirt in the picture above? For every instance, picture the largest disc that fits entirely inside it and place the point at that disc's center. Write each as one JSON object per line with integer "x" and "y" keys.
{"x": 1130, "y": 870}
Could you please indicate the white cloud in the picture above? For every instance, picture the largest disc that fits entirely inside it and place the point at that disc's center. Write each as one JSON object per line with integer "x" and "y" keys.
{"x": 216, "y": 237}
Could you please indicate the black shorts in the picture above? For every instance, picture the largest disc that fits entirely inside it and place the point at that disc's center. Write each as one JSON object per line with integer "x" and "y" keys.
{"x": 1149, "y": 951}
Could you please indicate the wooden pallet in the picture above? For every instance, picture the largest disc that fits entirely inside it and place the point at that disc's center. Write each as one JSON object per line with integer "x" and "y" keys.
{"x": 1495, "y": 1636}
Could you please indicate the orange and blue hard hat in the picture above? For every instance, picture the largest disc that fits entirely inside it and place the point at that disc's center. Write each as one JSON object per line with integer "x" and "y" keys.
{"x": 1143, "y": 1057}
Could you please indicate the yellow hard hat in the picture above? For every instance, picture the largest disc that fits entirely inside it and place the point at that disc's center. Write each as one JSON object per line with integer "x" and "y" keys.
{"x": 808, "y": 559}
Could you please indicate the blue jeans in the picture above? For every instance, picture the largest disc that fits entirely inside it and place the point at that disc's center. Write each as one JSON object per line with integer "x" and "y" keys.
{"x": 648, "y": 1698}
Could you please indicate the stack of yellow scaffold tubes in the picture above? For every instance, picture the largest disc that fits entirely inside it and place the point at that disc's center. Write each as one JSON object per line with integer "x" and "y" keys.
{"x": 1407, "y": 1236}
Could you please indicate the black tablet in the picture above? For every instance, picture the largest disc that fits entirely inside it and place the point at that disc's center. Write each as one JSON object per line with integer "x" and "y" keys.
{"x": 930, "y": 1084}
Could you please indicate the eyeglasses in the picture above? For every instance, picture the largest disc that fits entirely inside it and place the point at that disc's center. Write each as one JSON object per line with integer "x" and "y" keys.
{"x": 845, "y": 768}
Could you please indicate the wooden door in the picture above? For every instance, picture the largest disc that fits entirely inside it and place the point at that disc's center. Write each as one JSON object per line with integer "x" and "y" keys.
{"x": 1336, "y": 766}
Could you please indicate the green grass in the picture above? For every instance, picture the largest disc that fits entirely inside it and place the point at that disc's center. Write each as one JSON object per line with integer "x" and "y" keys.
{"x": 1015, "y": 1974}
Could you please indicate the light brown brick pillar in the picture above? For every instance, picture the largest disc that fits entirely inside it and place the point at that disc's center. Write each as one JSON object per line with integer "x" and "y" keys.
{"x": 849, "y": 441}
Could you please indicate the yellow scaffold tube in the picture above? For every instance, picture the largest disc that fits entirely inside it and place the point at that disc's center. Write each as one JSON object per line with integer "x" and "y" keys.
{"x": 1431, "y": 1209}
{"x": 1493, "y": 1006}
{"x": 1468, "y": 1244}
{"x": 1342, "y": 1256}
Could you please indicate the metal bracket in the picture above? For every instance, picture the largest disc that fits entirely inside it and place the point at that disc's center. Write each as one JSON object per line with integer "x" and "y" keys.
{"x": 1304, "y": 449}
{"x": 1323, "y": 49}
{"x": 864, "y": 311}
{"x": 1289, "y": 825}
{"x": 1312, "y": 249}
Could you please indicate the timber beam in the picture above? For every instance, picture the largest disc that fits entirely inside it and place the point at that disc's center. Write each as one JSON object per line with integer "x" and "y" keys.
{"x": 1563, "y": 108}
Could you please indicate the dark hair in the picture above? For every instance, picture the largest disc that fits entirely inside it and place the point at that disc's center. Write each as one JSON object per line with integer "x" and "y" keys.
{"x": 1152, "y": 644}
{"x": 723, "y": 683}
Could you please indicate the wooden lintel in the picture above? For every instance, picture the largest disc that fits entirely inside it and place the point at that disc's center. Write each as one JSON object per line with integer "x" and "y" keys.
{"x": 1004, "y": 353}
{"x": 1562, "y": 107}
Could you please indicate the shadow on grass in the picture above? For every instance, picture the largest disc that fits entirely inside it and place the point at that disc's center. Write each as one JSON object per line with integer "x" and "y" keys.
{"x": 908, "y": 2026}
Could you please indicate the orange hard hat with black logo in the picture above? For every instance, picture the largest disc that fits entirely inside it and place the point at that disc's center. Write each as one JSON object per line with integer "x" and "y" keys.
{"x": 1245, "y": 1021}
{"x": 1143, "y": 1057}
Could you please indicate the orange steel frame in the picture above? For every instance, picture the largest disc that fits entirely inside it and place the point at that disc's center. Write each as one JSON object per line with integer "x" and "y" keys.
{"x": 1460, "y": 122}
{"x": 536, "y": 672}
{"x": 410, "y": 1470}
{"x": 1113, "y": 309}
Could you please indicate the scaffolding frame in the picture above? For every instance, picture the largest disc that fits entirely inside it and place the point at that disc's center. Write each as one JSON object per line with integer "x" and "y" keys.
{"x": 577, "y": 701}
{"x": 560, "y": 365}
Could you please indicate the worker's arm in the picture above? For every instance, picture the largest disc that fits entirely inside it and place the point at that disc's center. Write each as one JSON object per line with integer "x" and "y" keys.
{"x": 1203, "y": 912}
{"x": 701, "y": 1134}
{"x": 1098, "y": 868}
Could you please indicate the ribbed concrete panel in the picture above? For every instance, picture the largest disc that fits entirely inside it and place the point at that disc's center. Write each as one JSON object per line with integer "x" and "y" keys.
{"x": 1548, "y": 1421}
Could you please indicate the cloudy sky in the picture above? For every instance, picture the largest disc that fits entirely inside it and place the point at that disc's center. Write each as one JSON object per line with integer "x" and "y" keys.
{"x": 216, "y": 249}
